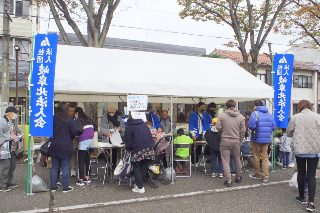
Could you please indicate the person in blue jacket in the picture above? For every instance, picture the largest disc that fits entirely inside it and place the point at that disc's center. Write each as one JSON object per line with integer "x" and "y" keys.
{"x": 261, "y": 122}
{"x": 211, "y": 113}
{"x": 153, "y": 119}
{"x": 198, "y": 125}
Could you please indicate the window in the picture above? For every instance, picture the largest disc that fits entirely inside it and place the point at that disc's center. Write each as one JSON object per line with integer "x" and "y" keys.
{"x": 302, "y": 81}
{"x": 19, "y": 7}
{"x": 262, "y": 77}
{"x": 10, "y": 47}
{"x": 24, "y": 48}
{"x": 295, "y": 109}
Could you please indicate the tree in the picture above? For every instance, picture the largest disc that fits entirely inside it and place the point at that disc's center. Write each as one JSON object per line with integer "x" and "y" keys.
{"x": 250, "y": 22}
{"x": 97, "y": 14}
{"x": 301, "y": 18}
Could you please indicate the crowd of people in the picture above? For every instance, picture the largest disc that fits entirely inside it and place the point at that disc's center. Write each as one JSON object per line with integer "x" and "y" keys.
{"x": 224, "y": 136}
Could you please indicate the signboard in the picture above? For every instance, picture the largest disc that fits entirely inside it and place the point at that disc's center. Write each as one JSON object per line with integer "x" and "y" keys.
{"x": 283, "y": 66}
{"x": 42, "y": 85}
{"x": 139, "y": 115}
{"x": 137, "y": 102}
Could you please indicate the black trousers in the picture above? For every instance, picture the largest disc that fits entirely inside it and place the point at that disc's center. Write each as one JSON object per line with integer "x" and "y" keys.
{"x": 140, "y": 169}
{"x": 198, "y": 151}
{"x": 310, "y": 171}
{"x": 83, "y": 158}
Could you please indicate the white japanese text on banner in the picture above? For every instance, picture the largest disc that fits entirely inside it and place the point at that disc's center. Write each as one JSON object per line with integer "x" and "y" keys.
{"x": 283, "y": 66}
{"x": 42, "y": 86}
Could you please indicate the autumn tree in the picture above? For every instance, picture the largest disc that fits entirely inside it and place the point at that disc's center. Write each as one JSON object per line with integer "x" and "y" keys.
{"x": 301, "y": 18}
{"x": 251, "y": 22}
{"x": 98, "y": 16}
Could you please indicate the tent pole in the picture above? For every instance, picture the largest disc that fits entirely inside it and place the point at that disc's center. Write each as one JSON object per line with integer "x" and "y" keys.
{"x": 29, "y": 178}
{"x": 171, "y": 116}
{"x": 272, "y": 140}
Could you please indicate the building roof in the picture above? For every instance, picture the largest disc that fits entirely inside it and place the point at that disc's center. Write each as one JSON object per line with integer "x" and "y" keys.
{"x": 263, "y": 59}
{"x": 126, "y": 44}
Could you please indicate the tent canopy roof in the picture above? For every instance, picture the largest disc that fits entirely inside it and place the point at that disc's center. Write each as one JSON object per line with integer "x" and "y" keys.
{"x": 108, "y": 75}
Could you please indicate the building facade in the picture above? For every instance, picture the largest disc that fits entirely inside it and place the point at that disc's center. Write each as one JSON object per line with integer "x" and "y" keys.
{"x": 24, "y": 22}
{"x": 304, "y": 85}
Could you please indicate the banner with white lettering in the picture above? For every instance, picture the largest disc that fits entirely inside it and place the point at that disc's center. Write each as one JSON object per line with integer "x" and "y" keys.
{"x": 42, "y": 85}
{"x": 283, "y": 66}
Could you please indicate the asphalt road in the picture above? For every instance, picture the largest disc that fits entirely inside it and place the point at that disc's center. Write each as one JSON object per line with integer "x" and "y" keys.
{"x": 213, "y": 196}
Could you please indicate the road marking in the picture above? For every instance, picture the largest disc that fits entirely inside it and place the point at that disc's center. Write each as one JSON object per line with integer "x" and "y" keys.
{"x": 119, "y": 202}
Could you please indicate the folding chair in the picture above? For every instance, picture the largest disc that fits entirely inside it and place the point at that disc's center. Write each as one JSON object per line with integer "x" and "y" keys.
{"x": 203, "y": 158}
{"x": 97, "y": 163}
{"x": 187, "y": 159}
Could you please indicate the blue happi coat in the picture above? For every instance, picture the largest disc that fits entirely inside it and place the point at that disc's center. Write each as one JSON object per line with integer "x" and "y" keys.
{"x": 155, "y": 121}
{"x": 195, "y": 122}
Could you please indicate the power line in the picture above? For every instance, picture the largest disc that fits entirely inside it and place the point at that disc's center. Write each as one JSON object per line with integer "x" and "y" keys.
{"x": 165, "y": 31}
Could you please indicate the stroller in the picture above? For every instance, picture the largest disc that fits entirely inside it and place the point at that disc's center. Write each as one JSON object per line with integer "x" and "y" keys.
{"x": 161, "y": 149}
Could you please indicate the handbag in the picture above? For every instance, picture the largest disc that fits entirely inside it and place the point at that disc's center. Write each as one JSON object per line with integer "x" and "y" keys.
{"x": 126, "y": 170}
{"x": 44, "y": 149}
{"x": 255, "y": 130}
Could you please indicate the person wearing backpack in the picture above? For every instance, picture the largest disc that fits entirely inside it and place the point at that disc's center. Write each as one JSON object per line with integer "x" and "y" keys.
{"x": 262, "y": 124}
{"x": 214, "y": 138}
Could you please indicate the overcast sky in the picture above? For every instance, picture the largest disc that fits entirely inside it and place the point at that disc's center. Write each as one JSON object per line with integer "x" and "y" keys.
{"x": 163, "y": 15}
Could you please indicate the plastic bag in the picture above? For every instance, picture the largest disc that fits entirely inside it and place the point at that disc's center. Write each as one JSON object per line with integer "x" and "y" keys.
{"x": 117, "y": 170}
{"x": 38, "y": 185}
{"x": 116, "y": 138}
{"x": 294, "y": 180}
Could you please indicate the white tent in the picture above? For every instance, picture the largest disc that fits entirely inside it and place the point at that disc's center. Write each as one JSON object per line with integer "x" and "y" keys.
{"x": 86, "y": 74}
{"x": 108, "y": 75}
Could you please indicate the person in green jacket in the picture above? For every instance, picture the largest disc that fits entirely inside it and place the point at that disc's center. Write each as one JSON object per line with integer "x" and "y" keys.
{"x": 182, "y": 152}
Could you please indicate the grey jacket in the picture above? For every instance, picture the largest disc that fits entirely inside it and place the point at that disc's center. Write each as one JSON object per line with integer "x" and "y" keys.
{"x": 6, "y": 139}
{"x": 304, "y": 128}
{"x": 285, "y": 143}
{"x": 104, "y": 127}
{"x": 166, "y": 124}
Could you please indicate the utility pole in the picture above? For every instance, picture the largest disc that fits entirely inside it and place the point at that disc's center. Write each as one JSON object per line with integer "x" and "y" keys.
{"x": 5, "y": 53}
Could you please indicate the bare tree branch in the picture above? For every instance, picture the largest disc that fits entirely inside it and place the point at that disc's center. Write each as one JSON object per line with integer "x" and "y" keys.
{"x": 214, "y": 13}
{"x": 111, "y": 8}
{"x": 58, "y": 22}
{"x": 272, "y": 23}
{"x": 72, "y": 23}
{"x": 264, "y": 21}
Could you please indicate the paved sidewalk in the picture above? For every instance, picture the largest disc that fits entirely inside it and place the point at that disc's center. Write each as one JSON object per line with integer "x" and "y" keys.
{"x": 17, "y": 200}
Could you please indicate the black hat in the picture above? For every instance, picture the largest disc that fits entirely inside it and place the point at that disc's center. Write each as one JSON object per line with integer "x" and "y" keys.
{"x": 12, "y": 109}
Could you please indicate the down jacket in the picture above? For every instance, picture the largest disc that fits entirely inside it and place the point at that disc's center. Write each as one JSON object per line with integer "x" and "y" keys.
{"x": 265, "y": 125}
{"x": 304, "y": 128}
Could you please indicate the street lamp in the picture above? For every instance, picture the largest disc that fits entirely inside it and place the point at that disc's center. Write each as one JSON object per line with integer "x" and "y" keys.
{"x": 17, "y": 49}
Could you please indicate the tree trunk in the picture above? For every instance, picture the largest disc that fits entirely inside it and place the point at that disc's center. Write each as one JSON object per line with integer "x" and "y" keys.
{"x": 91, "y": 109}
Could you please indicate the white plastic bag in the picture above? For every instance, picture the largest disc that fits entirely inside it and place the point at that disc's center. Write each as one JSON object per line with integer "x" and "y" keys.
{"x": 117, "y": 170}
{"x": 294, "y": 180}
{"x": 116, "y": 138}
{"x": 38, "y": 185}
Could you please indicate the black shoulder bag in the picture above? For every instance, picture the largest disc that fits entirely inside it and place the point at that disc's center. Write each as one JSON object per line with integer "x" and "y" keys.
{"x": 44, "y": 149}
{"x": 255, "y": 130}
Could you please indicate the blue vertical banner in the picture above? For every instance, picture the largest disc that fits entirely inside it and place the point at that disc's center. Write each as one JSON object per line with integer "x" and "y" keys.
{"x": 42, "y": 85}
{"x": 283, "y": 67}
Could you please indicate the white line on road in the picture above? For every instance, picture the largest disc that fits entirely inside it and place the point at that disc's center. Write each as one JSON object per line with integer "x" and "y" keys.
{"x": 84, "y": 206}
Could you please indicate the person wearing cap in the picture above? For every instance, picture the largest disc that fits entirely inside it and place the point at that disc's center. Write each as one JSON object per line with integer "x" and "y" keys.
{"x": 9, "y": 136}
{"x": 165, "y": 122}
{"x": 111, "y": 121}
{"x": 152, "y": 119}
